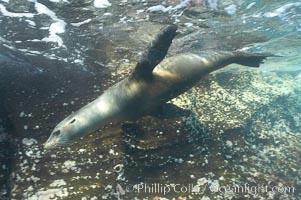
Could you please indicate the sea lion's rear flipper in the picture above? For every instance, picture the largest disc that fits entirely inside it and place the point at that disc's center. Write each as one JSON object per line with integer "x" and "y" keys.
{"x": 155, "y": 53}
{"x": 250, "y": 59}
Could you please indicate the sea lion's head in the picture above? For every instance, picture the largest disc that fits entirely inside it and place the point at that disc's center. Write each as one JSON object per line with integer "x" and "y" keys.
{"x": 68, "y": 130}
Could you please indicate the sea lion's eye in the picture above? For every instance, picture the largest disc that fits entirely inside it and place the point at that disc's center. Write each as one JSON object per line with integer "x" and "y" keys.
{"x": 72, "y": 121}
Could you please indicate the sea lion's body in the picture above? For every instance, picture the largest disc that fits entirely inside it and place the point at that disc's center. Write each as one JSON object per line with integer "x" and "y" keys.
{"x": 151, "y": 84}
{"x": 171, "y": 77}
{"x": 133, "y": 98}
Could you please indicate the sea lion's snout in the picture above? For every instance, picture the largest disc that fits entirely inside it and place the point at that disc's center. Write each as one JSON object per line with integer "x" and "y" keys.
{"x": 48, "y": 146}
{"x": 52, "y": 141}
{"x": 67, "y": 131}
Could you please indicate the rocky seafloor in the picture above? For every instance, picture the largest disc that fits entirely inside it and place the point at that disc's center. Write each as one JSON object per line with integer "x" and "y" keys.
{"x": 238, "y": 126}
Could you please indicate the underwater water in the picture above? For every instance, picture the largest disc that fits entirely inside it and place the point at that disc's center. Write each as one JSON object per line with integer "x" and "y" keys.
{"x": 240, "y": 134}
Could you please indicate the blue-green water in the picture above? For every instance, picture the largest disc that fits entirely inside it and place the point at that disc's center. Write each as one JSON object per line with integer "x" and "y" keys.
{"x": 242, "y": 126}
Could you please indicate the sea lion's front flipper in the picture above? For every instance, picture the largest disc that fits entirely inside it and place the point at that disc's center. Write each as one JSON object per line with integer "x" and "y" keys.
{"x": 155, "y": 53}
{"x": 169, "y": 111}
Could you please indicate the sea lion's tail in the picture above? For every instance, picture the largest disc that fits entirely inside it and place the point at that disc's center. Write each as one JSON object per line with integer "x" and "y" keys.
{"x": 250, "y": 59}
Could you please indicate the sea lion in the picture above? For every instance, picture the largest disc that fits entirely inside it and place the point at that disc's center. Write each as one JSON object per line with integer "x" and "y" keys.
{"x": 151, "y": 84}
